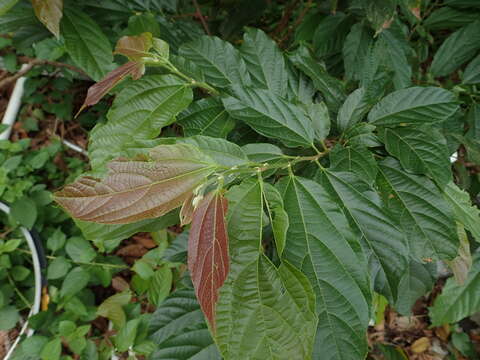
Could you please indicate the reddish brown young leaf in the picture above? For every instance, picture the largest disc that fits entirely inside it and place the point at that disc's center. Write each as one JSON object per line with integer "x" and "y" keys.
{"x": 134, "y": 47}
{"x": 208, "y": 252}
{"x": 49, "y": 12}
{"x": 101, "y": 88}
{"x": 137, "y": 190}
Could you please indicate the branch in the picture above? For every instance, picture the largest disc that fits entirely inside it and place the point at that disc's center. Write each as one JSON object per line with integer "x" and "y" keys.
{"x": 202, "y": 19}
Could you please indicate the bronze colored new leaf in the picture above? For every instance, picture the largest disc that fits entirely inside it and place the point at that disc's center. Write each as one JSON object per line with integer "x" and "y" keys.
{"x": 137, "y": 190}
{"x": 101, "y": 88}
{"x": 134, "y": 47}
{"x": 208, "y": 252}
{"x": 49, "y": 12}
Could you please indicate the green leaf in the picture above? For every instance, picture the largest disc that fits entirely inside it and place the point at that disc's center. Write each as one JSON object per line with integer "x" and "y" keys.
{"x": 19, "y": 272}
{"x": 383, "y": 241}
{"x": 379, "y": 13}
{"x": 329, "y": 35}
{"x": 139, "y": 112}
{"x": 9, "y": 317}
{"x": 270, "y": 116}
{"x": 446, "y": 18}
{"x": 262, "y": 152}
{"x": 464, "y": 212}
{"x": 472, "y": 72}
{"x": 321, "y": 244}
{"x": 457, "y": 301}
{"x": 6, "y": 5}
{"x": 86, "y": 44}
{"x": 331, "y": 89}
{"x": 415, "y": 105}
{"x": 10, "y": 245}
{"x": 57, "y": 240}
{"x": 260, "y": 304}
{"x": 49, "y": 13}
{"x": 111, "y": 308}
{"x": 75, "y": 281}
{"x": 356, "y": 159}
{"x": 278, "y": 216}
{"x": 219, "y": 61}
{"x": 355, "y": 49}
{"x": 265, "y": 62}
{"x": 420, "y": 150}
{"x": 58, "y": 268}
{"x": 80, "y": 249}
{"x": 318, "y": 113}
{"x": 180, "y": 331}
{"x": 424, "y": 216}
{"x": 126, "y": 336}
{"x": 458, "y": 48}
{"x": 206, "y": 117}
{"x": 52, "y": 350}
{"x": 361, "y": 134}
{"x": 24, "y": 211}
{"x": 353, "y": 110}
{"x": 223, "y": 152}
{"x": 160, "y": 285}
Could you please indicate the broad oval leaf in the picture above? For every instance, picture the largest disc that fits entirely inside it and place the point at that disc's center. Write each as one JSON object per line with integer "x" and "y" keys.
{"x": 218, "y": 60}
{"x": 270, "y": 116}
{"x": 420, "y": 150}
{"x": 356, "y": 159}
{"x": 414, "y": 105}
{"x": 265, "y": 62}
{"x": 208, "y": 252}
{"x": 353, "y": 109}
{"x": 178, "y": 328}
{"x": 457, "y": 301}
{"x": 424, "y": 216}
{"x": 139, "y": 112}
{"x": 321, "y": 244}
{"x": 136, "y": 190}
{"x": 206, "y": 117}
{"x": 458, "y": 48}
{"x": 86, "y": 43}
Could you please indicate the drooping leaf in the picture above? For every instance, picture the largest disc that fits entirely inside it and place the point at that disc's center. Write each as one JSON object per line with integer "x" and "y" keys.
{"x": 320, "y": 244}
{"x": 278, "y": 216}
{"x": 420, "y": 150}
{"x": 464, "y": 212}
{"x": 180, "y": 331}
{"x": 265, "y": 62}
{"x": 355, "y": 50}
{"x": 414, "y": 105}
{"x": 424, "y": 216}
{"x": 353, "y": 109}
{"x": 138, "y": 112}
{"x": 100, "y": 89}
{"x": 463, "y": 262}
{"x": 270, "y": 116}
{"x": 208, "y": 260}
{"x": 330, "y": 88}
{"x": 86, "y": 44}
{"x": 356, "y": 159}
{"x": 263, "y": 312}
{"x": 458, "y": 48}
{"x": 206, "y": 117}
{"x": 472, "y": 72}
{"x": 137, "y": 190}
{"x": 457, "y": 301}
{"x": 218, "y": 60}
{"x": 112, "y": 308}
{"x": 49, "y": 13}
{"x": 383, "y": 239}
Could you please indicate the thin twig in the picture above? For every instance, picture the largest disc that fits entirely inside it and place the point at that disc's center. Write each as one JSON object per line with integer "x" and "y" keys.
{"x": 297, "y": 22}
{"x": 202, "y": 19}
{"x": 285, "y": 18}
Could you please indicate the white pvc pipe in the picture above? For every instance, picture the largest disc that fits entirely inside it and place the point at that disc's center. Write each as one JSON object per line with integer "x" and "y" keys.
{"x": 38, "y": 284}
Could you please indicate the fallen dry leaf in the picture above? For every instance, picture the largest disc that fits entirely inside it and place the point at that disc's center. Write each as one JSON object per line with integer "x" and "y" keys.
{"x": 421, "y": 345}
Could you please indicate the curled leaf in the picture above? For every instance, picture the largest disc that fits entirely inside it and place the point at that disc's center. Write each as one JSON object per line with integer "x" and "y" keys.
{"x": 208, "y": 252}
{"x": 137, "y": 190}
{"x": 134, "y": 47}
{"x": 101, "y": 88}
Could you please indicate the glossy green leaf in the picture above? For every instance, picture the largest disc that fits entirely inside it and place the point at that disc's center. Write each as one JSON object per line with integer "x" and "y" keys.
{"x": 331, "y": 89}
{"x": 353, "y": 109}
{"x": 457, "y": 301}
{"x": 414, "y": 105}
{"x": 270, "y": 116}
{"x": 206, "y": 117}
{"x": 321, "y": 244}
{"x": 86, "y": 44}
{"x": 464, "y": 212}
{"x": 218, "y": 60}
{"x": 179, "y": 330}
{"x": 458, "y": 48}
{"x": 472, "y": 72}
{"x": 138, "y": 112}
{"x": 425, "y": 217}
{"x": 356, "y": 159}
{"x": 263, "y": 312}
{"x": 265, "y": 62}
{"x": 420, "y": 150}
{"x": 382, "y": 237}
